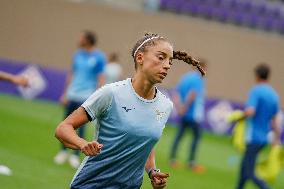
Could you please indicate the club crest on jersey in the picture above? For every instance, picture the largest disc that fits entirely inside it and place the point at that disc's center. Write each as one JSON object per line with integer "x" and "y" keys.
{"x": 159, "y": 115}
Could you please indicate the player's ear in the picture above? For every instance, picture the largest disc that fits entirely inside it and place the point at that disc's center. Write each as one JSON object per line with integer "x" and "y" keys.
{"x": 140, "y": 58}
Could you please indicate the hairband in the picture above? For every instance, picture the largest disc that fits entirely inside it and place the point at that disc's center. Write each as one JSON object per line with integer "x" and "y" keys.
{"x": 155, "y": 37}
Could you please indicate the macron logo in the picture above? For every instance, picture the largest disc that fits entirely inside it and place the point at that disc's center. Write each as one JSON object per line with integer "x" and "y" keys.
{"x": 127, "y": 109}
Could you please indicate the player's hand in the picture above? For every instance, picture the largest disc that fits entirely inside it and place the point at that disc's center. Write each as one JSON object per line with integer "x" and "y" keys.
{"x": 181, "y": 110}
{"x": 63, "y": 100}
{"x": 159, "y": 180}
{"x": 21, "y": 80}
{"x": 91, "y": 148}
{"x": 276, "y": 142}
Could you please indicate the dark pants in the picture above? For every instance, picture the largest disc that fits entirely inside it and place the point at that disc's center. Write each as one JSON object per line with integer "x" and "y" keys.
{"x": 196, "y": 134}
{"x": 247, "y": 171}
{"x": 71, "y": 107}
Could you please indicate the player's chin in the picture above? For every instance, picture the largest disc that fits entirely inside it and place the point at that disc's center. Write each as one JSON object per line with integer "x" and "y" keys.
{"x": 159, "y": 79}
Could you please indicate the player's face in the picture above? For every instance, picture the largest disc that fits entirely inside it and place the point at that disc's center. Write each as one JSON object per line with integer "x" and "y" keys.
{"x": 157, "y": 61}
{"x": 82, "y": 41}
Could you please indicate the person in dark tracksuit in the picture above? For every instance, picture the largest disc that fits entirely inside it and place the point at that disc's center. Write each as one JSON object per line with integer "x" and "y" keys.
{"x": 261, "y": 109}
{"x": 189, "y": 101}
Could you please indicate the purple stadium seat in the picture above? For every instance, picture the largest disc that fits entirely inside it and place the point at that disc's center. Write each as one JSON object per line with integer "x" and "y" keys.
{"x": 253, "y": 20}
{"x": 164, "y": 4}
{"x": 169, "y": 5}
{"x": 274, "y": 12}
{"x": 256, "y": 14}
{"x": 237, "y": 17}
{"x": 205, "y": 10}
{"x": 279, "y": 25}
{"x": 183, "y": 6}
{"x": 244, "y": 6}
{"x": 259, "y": 8}
{"x": 192, "y": 8}
{"x": 266, "y": 23}
{"x": 221, "y": 14}
{"x": 214, "y": 2}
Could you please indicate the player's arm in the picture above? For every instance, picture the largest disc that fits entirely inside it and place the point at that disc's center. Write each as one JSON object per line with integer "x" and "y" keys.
{"x": 65, "y": 132}
{"x": 100, "y": 71}
{"x": 182, "y": 107}
{"x": 18, "y": 80}
{"x": 248, "y": 112}
{"x": 150, "y": 163}
{"x": 101, "y": 80}
{"x": 276, "y": 124}
{"x": 251, "y": 105}
{"x": 276, "y": 127}
{"x": 95, "y": 106}
{"x": 178, "y": 104}
{"x": 158, "y": 179}
{"x": 190, "y": 98}
{"x": 63, "y": 99}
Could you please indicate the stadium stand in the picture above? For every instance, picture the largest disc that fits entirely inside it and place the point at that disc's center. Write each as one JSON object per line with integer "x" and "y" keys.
{"x": 261, "y": 14}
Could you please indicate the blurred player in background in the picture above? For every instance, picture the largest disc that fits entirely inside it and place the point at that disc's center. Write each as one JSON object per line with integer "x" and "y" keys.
{"x": 131, "y": 115}
{"x": 113, "y": 70}
{"x": 86, "y": 76}
{"x": 189, "y": 101}
{"x": 17, "y": 80}
{"x": 261, "y": 110}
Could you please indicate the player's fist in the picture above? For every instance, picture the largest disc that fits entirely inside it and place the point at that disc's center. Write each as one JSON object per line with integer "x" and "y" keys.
{"x": 63, "y": 100}
{"x": 21, "y": 80}
{"x": 159, "y": 180}
{"x": 91, "y": 148}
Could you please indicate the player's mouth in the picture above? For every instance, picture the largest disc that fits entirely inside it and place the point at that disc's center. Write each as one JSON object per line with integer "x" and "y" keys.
{"x": 163, "y": 74}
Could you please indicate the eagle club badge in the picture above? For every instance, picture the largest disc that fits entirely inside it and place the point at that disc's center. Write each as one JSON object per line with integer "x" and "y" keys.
{"x": 159, "y": 115}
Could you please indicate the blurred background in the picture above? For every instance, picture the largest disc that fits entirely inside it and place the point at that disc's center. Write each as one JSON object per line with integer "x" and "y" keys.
{"x": 39, "y": 37}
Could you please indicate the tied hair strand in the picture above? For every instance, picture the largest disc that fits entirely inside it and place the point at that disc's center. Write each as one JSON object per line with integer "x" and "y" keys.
{"x": 181, "y": 55}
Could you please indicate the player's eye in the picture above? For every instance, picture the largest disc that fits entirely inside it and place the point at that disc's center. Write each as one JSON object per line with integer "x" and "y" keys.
{"x": 161, "y": 58}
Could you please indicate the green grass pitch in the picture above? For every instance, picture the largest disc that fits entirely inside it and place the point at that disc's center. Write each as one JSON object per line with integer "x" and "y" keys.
{"x": 28, "y": 145}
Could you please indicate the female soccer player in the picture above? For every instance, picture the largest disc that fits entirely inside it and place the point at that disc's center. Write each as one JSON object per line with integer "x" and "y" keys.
{"x": 130, "y": 116}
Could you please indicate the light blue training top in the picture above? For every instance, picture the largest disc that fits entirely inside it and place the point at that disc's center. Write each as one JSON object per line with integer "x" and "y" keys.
{"x": 128, "y": 126}
{"x": 193, "y": 82}
{"x": 264, "y": 99}
{"x": 85, "y": 70}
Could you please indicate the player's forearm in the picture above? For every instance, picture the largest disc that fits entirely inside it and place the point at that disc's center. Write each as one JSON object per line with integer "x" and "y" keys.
{"x": 190, "y": 98}
{"x": 249, "y": 112}
{"x": 67, "y": 83}
{"x": 150, "y": 163}
{"x": 6, "y": 76}
{"x": 66, "y": 134}
{"x": 68, "y": 145}
{"x": 178, "y": 104}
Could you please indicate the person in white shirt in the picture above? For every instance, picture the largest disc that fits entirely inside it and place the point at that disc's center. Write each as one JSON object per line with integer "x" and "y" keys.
{"x": 113, "y": 70}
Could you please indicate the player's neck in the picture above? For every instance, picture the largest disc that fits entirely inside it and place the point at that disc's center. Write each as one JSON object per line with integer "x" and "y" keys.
{"x": 89, "y": 48}
{"x": 261, "y": 81}
{"x": 143, "y": 87}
